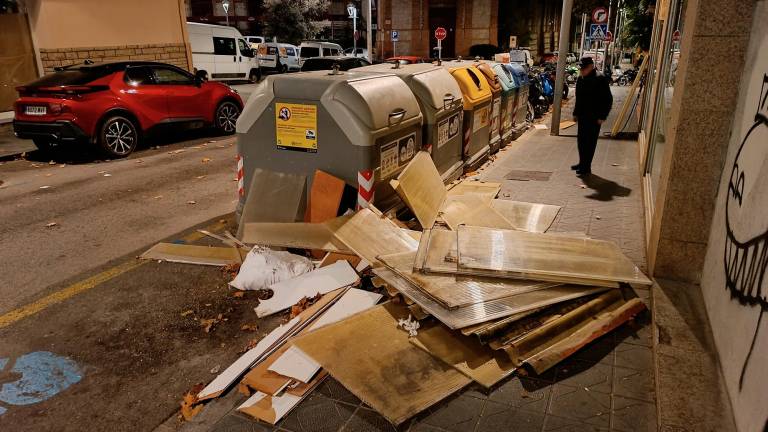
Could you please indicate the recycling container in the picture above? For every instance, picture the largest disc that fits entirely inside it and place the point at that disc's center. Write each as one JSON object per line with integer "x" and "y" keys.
{"x": 361, "y": 127}
{"x": 494, "y": 141}
{"x": 440, "y": 100}
{"x": 476, "y": 100}
{"x": 508, "y": 101}
{"x": 521, "y": 115}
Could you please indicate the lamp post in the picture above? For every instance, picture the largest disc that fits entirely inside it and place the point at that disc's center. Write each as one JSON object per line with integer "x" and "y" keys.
{"x": 352, "y": 11}
{"x": 225, "y": 5}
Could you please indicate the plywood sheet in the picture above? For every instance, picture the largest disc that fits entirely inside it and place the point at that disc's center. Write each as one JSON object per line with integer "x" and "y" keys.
{"x": 454, "y": 291}
{"x": 484, "y": 365}
{"x": 487, "y": 190}
{"x": 526, "y": 216}
{"x": 472, "y": 209}
{"x": 487, "y": 311}
{"x": 297, "y": 235}
{"x": 324, "y": 197}
{"x": 274, "y": 197}
{"x": 509, "y": 253}
{"x": 370, "y": 356}
{"x": 320, "y": 281}
{"x": 422, "y": 188}
{"x": 370, "y": 235}
{"x": 332, "y": 257}
{"x": 191, "y": 254}
{"x": 271, "y": 409}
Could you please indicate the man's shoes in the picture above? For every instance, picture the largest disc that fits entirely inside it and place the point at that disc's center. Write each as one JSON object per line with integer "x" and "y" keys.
{"x": 575, "y": 167}
{"x": 583, "y": 172}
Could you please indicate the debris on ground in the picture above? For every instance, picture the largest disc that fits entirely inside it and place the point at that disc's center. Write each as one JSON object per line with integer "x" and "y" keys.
{"x": 208, "y": 323}
{"x": 302, "y": 304}
{"x": 51, "y": 224}
{"x": 187, "y": 312}
{"x": 189, "y": 409}
{"x": 191, "y": 202}
{"x": 264, "y": 267}
{"x": 249, "y": 327}
{"x": 410, "y": 325}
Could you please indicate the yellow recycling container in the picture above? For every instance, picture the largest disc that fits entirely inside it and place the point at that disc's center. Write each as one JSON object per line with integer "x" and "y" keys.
{"x": 476, "y": 98}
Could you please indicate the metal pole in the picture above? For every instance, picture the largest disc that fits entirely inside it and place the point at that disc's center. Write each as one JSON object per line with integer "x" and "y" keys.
{"x": 608, "y": 27}
{"x": 615, "y": 29}
{"x": 369, "y": 32}
{"x": 583, "y": 34}
{"x": 394, "y": 49}
{"x": 565, "y": 29}
{"x": 354, "y": 33}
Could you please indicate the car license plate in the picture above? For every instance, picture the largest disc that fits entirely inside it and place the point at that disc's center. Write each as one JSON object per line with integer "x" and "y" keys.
{"x": 35, "y": 110}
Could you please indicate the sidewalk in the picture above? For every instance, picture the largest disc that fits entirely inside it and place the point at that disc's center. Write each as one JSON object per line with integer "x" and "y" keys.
{"x": 10, "y": 145}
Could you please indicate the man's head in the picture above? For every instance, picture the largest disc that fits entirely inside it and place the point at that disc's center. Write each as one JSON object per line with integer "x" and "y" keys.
{"x": 586, "y": 65}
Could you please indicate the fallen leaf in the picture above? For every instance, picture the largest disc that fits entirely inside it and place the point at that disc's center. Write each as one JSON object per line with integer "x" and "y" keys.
{"x": 249, "y": 327}
{"x": 211, "y": 141}
{"x": 139, "y": 161}
{"x": 191, "y": 202}
{"x": 250, "y": 345}
{"x": 107, "y": 175}
{"x": 101, "y": 172}
{"x": 614, "y": 164}
{"x": 45, "y": 187}
{"x": 188, "y": 408}
{"x": 51, "y": 224}
{"x": 200, "y": 177}
{"x": 597, "y": 217}
{"x": 303, "y": 304}
{"x": 187, "y": 312}
{"x": 232, "y": 270}
{"x": 158, "y": 197}
{"x": 238, "y": 294}
{"x": 215, "y": 369}
{"x": 48, "y": 175}
{"x": 206, "y": 160}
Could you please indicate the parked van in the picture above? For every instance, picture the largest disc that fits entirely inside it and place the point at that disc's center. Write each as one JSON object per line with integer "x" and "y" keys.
{"x": 311, "y": 49}
{"x": 221, "y": 53}
{"x": 279, "y": 57}
{"x": 255, "y": 41}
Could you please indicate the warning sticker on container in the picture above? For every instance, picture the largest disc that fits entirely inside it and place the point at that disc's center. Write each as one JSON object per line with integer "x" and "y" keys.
{"x": 480, "y": 119}
{"x": 508, "y": 114}
{"x": 495, "y": 115}
{"x": 396, "y": 154}
{"x": 448, "y": 129}
{"x": 296, "y": 127}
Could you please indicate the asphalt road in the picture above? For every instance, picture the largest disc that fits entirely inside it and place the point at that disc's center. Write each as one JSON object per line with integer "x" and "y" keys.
{"x": 103, "y": 210}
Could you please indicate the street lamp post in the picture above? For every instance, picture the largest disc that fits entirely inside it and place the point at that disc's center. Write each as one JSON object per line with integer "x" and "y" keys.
{"x": 352, "y": 11}
{"x": 225, "y": 5}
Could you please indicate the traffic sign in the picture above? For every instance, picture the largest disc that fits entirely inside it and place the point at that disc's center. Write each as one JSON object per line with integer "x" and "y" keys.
{"x": 676, "y": 36}
{"x": 599, "y": 15}
{"x": 608, "y": 36}
{"x": 597, "y": 31}
{"x": 440, "y": 33}
{"x": 395, "y": 35}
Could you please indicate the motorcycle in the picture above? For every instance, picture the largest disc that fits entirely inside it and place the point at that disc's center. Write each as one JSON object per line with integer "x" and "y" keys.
{"x": 571, "y": 74}
{"x": 551, "y": 72}
{"x": 538, "y": 104}
{"x": 627, "y": 77}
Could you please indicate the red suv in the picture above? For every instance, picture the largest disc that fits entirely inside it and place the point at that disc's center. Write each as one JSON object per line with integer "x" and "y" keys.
{"x": 115, "y": 105}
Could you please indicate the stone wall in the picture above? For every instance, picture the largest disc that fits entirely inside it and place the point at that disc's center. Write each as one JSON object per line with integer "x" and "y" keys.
{"x": 175, "y": 54}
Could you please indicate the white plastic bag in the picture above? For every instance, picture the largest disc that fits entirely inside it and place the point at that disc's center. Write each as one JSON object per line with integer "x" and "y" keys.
{"x": 263, "y": 267}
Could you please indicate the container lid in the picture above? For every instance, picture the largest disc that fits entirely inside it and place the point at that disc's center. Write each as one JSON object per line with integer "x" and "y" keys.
{"x": 490, "y": 75}
{"x": 506, "y": 76}
{"x": 433, "y": 85}
{"x": 520, "y": 74}
{"x": 474, "y": 87}
{"x": 378, "y": 101}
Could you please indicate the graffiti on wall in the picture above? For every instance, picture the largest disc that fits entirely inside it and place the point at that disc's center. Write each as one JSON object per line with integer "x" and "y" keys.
{"x": 746, "y": 243}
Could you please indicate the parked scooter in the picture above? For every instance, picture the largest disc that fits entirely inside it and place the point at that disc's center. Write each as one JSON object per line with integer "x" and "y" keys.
{"x": 627, "y": 77}
{"x": 538, "y": 104}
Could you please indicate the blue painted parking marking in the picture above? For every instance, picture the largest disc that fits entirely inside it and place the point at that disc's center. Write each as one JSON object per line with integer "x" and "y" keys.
{"x": 43, "y": 375}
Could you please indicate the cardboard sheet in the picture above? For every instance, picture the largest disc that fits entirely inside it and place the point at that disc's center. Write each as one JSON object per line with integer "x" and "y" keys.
{"x": 526, "y": 216}
{"x": 370, "y": 235}
{"x": 487, "y": 311}
{"x": 487, "y": 190}
{"x": 384, "y": 369}
{"x": 472, "y": 209}
{"x": 517, "y": 254}
{"x": 453, "y": 291}
{"x": 297, "y": 235}
{"x": 484, "y": 365}
{"x": 422, "y": 188}
{"x": 324, "y": 197}
{"x": 332, "y": 257}
{"x": 271, "y": 409}
{"x": 274, "y": 197}
{"x": 320, "y": 281}
{"x": 191, "y": 254}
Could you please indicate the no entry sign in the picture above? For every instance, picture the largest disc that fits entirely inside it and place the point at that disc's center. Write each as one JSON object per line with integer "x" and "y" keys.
{"x": 440, "y": 33}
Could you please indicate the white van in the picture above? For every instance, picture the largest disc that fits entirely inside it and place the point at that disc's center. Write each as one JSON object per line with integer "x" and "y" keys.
{"x": 279, "y": 57}
{"x": 221, "y": 53}
{"x": 311, "y": 49}
{"x": 255, "y": 41}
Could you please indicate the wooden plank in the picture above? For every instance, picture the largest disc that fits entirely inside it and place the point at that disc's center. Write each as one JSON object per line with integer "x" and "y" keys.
{"x": 324, "y": 197}
{"x": 370, "y": 356}
{"x": 192, "y": 254}
{"x": 422, "y": 188}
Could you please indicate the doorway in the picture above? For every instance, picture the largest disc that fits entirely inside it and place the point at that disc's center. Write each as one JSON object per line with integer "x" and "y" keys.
{"x": 442, "y": 13}
{"x": 17, "y": 63}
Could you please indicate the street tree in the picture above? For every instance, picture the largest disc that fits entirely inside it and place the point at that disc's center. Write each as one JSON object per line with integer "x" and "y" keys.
{"x": 639, "y": 24}
{"x": 294, "y": 20}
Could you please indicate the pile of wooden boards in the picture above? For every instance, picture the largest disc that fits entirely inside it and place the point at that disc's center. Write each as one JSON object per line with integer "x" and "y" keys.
{"x": 483, "y": 290}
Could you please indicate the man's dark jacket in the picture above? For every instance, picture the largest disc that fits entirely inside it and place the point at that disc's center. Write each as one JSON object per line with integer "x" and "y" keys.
{"x": 593, "y": 97}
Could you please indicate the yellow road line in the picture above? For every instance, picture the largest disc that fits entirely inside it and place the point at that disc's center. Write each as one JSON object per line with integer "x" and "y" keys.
{"x": 87, "y": 284}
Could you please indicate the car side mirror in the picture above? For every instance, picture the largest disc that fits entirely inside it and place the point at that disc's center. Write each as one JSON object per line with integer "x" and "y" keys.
{"x": 198, "y": 81}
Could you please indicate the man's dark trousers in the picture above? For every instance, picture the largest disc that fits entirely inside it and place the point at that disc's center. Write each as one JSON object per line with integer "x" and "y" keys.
{"x": 589, "y": 131}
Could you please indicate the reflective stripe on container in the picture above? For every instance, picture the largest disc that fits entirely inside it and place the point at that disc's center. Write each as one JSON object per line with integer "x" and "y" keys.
{"x": 365, "y": 182}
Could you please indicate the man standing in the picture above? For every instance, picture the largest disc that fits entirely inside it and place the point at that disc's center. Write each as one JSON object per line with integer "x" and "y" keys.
{"x": 593, "y": 103}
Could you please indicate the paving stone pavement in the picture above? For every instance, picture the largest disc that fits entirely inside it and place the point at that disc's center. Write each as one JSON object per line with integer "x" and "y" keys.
{"x": 606, "y": 386}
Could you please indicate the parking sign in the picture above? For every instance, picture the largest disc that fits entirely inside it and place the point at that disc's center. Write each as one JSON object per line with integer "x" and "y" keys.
{"x": 395, "y": 35}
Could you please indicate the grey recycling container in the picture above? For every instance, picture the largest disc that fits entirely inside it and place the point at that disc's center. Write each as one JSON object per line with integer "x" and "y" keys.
{"x": 363, "y": 128}
{"x": 521, "y": 116}
{"x": 440, "y": 100}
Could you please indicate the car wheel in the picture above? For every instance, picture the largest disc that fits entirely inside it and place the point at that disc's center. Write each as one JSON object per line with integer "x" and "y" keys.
{"x": 254, "y": 76}
{"x": 530, "y": 115}
{"x": 226, "y": 117}
{"x": 118, "y": 136}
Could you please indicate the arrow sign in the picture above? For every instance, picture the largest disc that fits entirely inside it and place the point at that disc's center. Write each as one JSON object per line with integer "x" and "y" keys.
{"x": 440, "y": 33}
{"x": 599, "y": 15}
{"x": 597, "y": 32}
